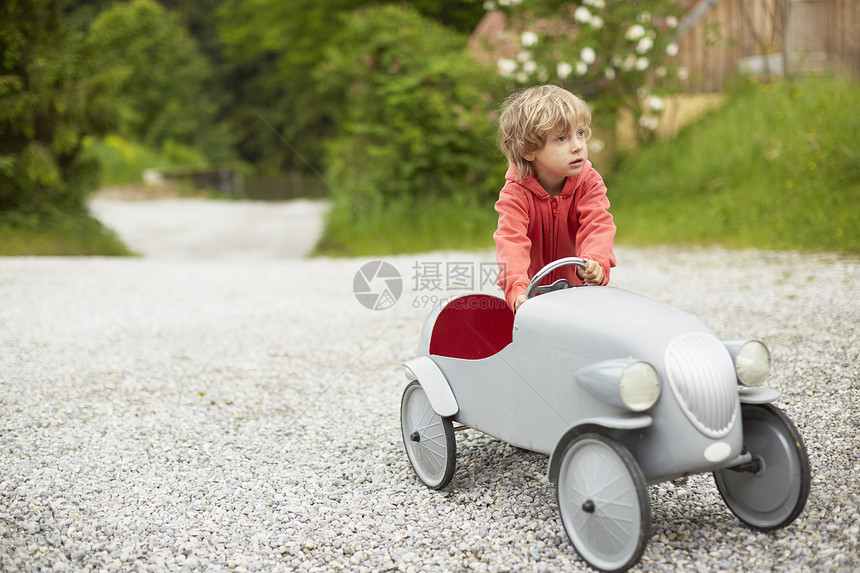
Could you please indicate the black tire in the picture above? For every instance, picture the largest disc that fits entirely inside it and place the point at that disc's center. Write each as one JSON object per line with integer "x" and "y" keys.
{"x": 427, "y": 437}
{"x": 772, "y": 492}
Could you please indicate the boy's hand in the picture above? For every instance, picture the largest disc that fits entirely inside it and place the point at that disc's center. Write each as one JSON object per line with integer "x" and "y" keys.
{"x": 593, "y": 274}
{"x": 520, "y": 300}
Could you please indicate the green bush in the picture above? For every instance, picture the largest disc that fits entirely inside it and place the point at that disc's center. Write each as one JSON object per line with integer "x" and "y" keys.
{"x": 123, "y": 162}
{"x": 162, "y": 78}
{"x": 415, "y": 116}
{"x": 775, "y": 167}
{"x": 51, "y": 96}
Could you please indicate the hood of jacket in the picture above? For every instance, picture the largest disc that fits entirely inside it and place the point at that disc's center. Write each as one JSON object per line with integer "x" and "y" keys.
{"x": 532, "y": 184}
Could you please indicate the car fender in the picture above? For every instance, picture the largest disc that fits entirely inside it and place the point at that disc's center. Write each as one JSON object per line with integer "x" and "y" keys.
{"x": 602, "y": 425}
{"x": 434, "y": 383}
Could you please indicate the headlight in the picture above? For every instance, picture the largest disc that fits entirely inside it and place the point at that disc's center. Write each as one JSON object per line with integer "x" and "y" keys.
{"x": 639, "y": 386}
{"x": 623, "y": 382}
{"x": 752, "y": 363}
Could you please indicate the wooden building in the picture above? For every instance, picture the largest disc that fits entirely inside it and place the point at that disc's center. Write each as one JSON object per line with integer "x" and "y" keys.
{"x": 719, "y": 38}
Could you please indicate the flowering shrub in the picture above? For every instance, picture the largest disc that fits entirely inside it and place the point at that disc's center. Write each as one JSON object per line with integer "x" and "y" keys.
{"x": 612, "y": 52}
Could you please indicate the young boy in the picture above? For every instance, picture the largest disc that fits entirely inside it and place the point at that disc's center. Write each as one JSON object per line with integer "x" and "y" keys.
{"x": 554, "y": 203}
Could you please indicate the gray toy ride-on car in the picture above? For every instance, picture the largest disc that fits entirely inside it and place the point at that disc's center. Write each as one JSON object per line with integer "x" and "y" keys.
{"x": 620, "y": 392}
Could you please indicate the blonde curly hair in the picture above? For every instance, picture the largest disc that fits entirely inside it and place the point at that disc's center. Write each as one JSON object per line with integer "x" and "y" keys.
{"x": 528, "y": 117}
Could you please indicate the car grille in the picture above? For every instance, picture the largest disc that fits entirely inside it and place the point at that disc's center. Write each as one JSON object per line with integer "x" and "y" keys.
{"x": 702, "y": 377}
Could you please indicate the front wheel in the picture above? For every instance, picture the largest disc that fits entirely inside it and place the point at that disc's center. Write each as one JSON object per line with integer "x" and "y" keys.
{"x": 428, "y": 438}
{"x": 770, "y": 491}
{"x": 603, "y": 502}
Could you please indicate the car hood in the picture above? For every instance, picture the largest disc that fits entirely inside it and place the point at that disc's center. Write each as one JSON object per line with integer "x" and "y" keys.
{"x": 600, "y": 323}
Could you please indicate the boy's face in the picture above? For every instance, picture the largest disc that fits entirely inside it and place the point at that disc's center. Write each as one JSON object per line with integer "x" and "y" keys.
{"x": 563, "y": 155}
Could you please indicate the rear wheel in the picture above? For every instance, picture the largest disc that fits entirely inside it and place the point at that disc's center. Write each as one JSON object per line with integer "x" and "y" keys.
{"x": 770, "y": 491}
{"x": 603, "y": 502}
{"x": 428, "y": 438}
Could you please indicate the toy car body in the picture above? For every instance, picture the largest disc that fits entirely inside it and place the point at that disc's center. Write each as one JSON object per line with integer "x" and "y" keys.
{"x": 620, "y": 391}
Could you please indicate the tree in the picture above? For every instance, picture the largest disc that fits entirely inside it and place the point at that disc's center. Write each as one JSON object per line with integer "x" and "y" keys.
{"x": 51, "y": 97}
{"x": 273, "y": 47}
{"x": 162, "y": 97}
{"x": 414, "y": 112}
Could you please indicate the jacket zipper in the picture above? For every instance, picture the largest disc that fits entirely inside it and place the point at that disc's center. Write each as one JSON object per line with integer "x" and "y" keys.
{"x": 552, "y": 242}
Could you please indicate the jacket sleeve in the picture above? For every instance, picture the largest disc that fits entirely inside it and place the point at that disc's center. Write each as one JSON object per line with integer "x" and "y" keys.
{"x": 513, "y": 246}
{"x": 596, "y": 232}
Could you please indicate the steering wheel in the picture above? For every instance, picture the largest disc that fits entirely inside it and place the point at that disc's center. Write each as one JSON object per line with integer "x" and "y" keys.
{"x": 533, "y": 287}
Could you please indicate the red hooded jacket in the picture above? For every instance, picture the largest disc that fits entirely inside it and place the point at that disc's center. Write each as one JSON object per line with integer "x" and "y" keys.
{"x": 536, "y": 229}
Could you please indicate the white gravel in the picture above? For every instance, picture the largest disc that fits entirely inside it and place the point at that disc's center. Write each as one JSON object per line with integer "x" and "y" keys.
{"x": 173, "y": 228}
{"x": 243, "y": 415}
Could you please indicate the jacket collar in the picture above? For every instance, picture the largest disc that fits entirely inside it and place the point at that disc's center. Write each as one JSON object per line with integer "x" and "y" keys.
{"x": 532, "y": 184}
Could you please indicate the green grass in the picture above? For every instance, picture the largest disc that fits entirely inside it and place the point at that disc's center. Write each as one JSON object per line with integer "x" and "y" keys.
{"x": 401, "y": 228}
{"x": 776, "y": 167}
{"x": 69, "y": 235}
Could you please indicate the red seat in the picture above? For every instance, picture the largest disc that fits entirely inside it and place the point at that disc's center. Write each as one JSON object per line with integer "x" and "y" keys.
{"x": 472, "y": 326}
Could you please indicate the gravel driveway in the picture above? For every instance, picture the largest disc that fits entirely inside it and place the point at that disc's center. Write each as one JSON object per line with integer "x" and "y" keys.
{"x": 171, "y": 228}
{"x": 243, "y": 415}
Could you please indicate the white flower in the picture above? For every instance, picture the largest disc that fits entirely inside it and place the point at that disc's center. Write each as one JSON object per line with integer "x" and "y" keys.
{"x": 629, "y": 63}
{"x": 649, "y": 122}
{"x": 588, "y": 55}
{"x": 599, "y": 4}
{"x": 644, "y": 45}
{"x": 672, "y": 49}
{"x": 642, "y": 64}
{"x": 506, "y": 67}
{"x": 683, "y": 74}
{"x": 661, "y": 72}
{"x": 609, "y": 74}
{"x": 582, "y": 14}
{"x": 563, "y": 70}
{"x": 672, "y": 22}
{"x": 656, "y": 103}
{"x": 489, "y": 6}
{"x": 635, "y": 32}
{"x": 644, "y": 17}
{"x": 596, "y": 145}
{"x": 596, "y": 22}
{"x": 522, "y": 77}
{"x": 581, "y": 68}
{"x": 524, "y": 56}
{"x": 529, "y": 39}
{"x": 529, "y": 67}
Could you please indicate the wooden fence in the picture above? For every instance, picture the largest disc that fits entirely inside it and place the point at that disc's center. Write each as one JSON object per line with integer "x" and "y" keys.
{"x": 719, "y": 37}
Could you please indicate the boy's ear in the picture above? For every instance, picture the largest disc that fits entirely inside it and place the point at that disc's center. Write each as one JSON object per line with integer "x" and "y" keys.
{"x": 529, "y": 156}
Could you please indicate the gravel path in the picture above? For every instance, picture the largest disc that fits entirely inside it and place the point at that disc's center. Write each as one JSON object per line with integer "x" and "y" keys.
{"x": 242, "y": 415}
{"x": 172, "y": 228}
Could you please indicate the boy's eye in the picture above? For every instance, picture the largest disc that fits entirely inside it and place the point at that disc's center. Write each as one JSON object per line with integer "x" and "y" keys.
{"x": 580, "y": 133}
{"x": 561, "y": 138}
